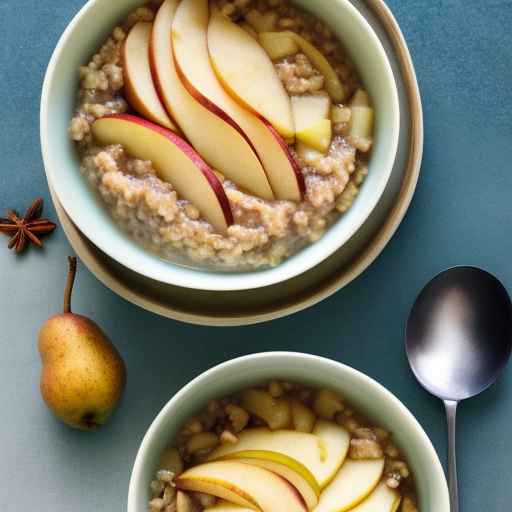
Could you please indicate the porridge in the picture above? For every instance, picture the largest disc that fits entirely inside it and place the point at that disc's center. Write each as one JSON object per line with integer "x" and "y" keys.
{"x": 195, "y": 176}
{"x": 328, "y": 457}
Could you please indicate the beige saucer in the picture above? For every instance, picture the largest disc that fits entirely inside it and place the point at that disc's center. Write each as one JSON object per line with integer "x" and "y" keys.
{"x": 250, "y": 307}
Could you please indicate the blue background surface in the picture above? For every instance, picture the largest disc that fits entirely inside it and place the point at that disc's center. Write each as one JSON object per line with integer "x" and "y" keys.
{"x": 461, "y": 215}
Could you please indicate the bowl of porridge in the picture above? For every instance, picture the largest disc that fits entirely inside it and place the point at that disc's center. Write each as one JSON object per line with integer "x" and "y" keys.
{"x": 222, "y": 144}
{"x": 286, "y": 431}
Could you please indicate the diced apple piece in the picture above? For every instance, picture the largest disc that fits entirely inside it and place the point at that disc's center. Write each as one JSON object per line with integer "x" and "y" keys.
{"x": 275, "y": 412}
{"x": 327, "y": 403}
{"x": 184, "y": 503}
{"x": 336, "y": 441}
{"x": 262, "y": 22}
{"x": 308, "y": 154}
{"x": 247, "y": 73}
{"x": 174, "y": 160}
{"x": 172, "y": 461}
{"x": 361, "y": 98}
{"x": 189, "y": 33}
{"x": 352, "y": 484}
{"x": 242, "y": 484}
{"x": 340, "y": 114}
{"x": 278, "y": 44}
{"x": 361, "y": 122}
{"x": 206, "y": 131}
{"x": 138, "y": 83}
{"x": 362, "y": 118}
{"x": 308, "y": 110}
{"x": 382, "y": 499}
{"x": 334, "y": 87}
{"x": 318, "y": 135}
{"x": 303, "y": 417}
{"x": 310, "y": 114}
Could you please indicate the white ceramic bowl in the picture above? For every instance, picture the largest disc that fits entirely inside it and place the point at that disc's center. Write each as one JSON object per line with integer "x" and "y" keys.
{"x": 84, "y": 36}
{"x": 362, "y": 392}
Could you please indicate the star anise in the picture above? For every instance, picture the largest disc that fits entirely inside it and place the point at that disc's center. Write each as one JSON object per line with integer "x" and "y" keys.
{"x": 29, "y": 228}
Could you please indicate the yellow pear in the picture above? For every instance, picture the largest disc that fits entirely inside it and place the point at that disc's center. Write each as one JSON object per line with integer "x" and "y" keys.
{"x": 83, "y": 375}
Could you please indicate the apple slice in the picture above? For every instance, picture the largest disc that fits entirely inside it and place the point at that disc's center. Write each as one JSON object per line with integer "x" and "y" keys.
{"x": 174, "y": 160}
{"x": 317, "y": 135}
{"x": 361, "y": 98}
{"x": 225, "y": 506}
{"x": 242, "y": 484}
{"x": 361, "y": 122}
{"x": 292, "y": 449}
{"x": 262, "y": 22}
{"x": 290, "y": 469}
{"x": 308, "y": 110}
{"x": 207, "y": 132}
{"x": 382, "y": 499}
{"x": 138, "y": 83}
{"x": 352, "y": 484}
{"x": 362, "y": 118}
{"x": 278, "y": 44}
{"x": 312, "y": 125}
{"x": 189, "y": 35}
{"x": 307, "y": 449}
{"x": 334, "y": 87}
{"x": 336, "y": 442}
{"x": 247, "y": 73}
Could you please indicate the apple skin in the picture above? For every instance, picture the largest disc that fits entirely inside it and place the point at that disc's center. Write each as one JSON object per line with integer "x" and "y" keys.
{"x": 189, "y": 152}
{"x": 301, "y": 184}
{"x": 245, "y": 70}
{"x": 208, "y": 104}
{"x": 242, "y": 484}
{"x": 289, "y": 469}
{"x": 150, "y": 107}
{"x": 208, "y": 133}
{"x": 195, "y": 71}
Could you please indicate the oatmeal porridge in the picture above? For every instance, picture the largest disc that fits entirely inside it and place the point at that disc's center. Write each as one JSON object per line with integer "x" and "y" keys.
{"x": 273, "y": 187}
{"x": 312, "y": 450}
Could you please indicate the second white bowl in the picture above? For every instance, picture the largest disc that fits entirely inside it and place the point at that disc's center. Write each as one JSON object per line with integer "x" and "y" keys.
{"x": 366, "y": 395}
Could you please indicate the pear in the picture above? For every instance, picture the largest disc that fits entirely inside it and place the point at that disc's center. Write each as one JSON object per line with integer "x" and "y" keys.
{"x": 83, "y": 375}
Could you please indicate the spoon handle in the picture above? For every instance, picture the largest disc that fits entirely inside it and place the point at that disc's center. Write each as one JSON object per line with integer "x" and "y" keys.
{"x": 451, "y": 414}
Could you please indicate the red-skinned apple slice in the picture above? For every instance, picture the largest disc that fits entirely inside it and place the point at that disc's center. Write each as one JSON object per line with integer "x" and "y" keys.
{"x": 247, "y": 73}
{"x": 189, "y": 36}
{"x": 207, "y": 132}
{"x": 174, "y": 160}
{"x": 138, "y": 83}
{"x": 283, "y": 171}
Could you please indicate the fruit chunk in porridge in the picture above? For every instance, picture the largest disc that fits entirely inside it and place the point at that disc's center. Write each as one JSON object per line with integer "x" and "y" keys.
{"x": 223, "y": 134}
{"x": 282, "y": 446}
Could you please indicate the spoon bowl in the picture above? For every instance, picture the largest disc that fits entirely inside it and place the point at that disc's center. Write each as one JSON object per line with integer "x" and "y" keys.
{"x": 459, "y": 333}
{"x": 458, "y": 342}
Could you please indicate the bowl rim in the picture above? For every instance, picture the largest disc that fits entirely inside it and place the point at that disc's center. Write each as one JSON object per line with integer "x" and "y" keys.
{"x": 169, "y": 273}
{"x": 265, "y": 358}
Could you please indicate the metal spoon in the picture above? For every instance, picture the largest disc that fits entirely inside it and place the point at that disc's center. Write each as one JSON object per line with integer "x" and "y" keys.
{"x": 458, "y": 341}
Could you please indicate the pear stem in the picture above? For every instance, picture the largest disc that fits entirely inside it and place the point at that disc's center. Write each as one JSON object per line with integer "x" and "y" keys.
{"x": 69, "y": 284}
